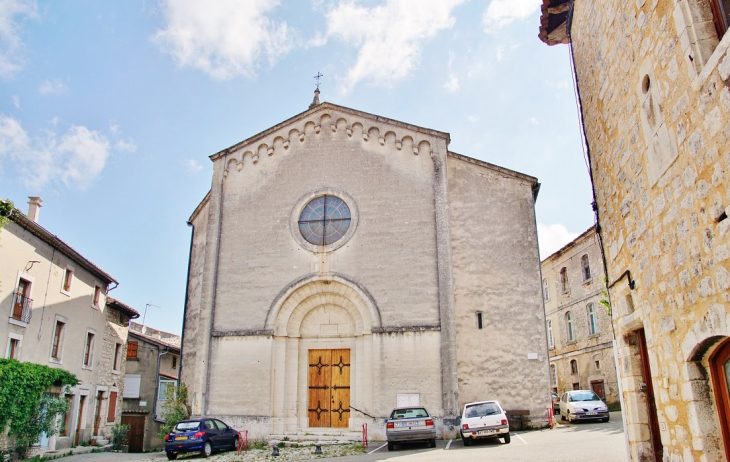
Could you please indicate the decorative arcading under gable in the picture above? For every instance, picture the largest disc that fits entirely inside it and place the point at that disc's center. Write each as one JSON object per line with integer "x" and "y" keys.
{"x": 278, "y": 144}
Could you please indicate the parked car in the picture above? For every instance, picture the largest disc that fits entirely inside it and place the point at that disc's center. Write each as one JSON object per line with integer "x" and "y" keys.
{"x": 484, "y": 419}
{"x": 582, "y": 405}
{"x": 556, "y": 403}
{"x": 203, "y": 435}
{"x": 410, "y": 424}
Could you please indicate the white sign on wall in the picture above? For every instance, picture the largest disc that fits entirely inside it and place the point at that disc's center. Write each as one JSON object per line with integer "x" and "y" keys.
{"x": 408, "y": 399}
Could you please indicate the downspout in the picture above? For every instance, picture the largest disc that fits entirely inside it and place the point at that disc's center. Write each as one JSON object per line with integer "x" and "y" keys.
{"x": 185, "y": 307}
{"x": 157, "y": 381}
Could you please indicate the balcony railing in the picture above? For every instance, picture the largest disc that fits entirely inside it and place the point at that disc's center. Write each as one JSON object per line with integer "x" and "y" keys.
{"x": 22, "y": 307}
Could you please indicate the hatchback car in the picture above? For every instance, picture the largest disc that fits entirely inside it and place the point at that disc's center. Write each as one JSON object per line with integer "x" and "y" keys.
{"x": 410, "y": 424}
{"x": 484, "y": 419}
{"x": 582, "y": 405}
{"x": 203, "y": 435}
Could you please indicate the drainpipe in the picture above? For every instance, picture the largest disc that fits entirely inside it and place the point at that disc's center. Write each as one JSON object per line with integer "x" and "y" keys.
{"x": 157, "y": 381}
{"x": 185, "y": 307}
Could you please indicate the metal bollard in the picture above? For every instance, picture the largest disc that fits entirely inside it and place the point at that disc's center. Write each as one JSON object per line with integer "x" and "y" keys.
{"x": 318, "y": 449}
{"x": 275, "y": 451}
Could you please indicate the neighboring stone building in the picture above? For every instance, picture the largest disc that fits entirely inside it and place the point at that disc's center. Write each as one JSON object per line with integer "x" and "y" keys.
{"x": 153, "y": 360}
{"x": 653, "y": 86}
{"x": 580, "y": 335}
{"x": 59, "y": 315}
{"x": 424, "y": 286}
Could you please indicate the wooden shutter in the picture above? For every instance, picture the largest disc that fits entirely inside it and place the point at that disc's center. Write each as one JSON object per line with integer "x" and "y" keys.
{"x": 112, "y": 407}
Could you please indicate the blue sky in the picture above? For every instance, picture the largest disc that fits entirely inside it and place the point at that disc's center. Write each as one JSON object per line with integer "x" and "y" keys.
{"x": 109, "y": 110}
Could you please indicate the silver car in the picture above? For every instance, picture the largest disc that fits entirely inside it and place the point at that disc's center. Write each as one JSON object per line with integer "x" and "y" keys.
{"x": 408, "y": 424}
{"x": 582, "y": 405}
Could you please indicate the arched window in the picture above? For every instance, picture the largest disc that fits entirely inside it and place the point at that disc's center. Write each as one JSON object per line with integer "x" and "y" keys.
{"x": 551, "y": 339}
{"x": 720, "y": 372}
{"x": 573, "y": 366}
{"x": 585, "y": 268}
{"x": 569, "y": 326}
{"x": 564, "y": 279}
{"x": 545, "y": 289}
{"x": 553, "y": 375}
{"x": 592, "y": 321}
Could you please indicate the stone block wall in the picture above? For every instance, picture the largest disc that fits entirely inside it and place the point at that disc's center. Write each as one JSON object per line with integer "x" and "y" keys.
{"x": 653, "y": 83}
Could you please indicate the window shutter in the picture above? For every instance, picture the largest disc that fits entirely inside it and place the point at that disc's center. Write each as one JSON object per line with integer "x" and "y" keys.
{"x": 131, "y": 385}
{"x": 112, "y": 407}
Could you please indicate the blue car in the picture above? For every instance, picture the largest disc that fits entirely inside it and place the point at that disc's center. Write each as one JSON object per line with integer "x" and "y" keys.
{"x": 203, "y": 435}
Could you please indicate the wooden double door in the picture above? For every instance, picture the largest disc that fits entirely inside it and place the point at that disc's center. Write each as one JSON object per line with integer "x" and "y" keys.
{"x": 329, "y": 388}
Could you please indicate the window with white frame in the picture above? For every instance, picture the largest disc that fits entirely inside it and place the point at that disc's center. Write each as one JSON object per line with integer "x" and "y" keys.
{"x": 59, "y": 331}
{"x": 573, "y": 366}
{"x": 97, "y": 297}
{"x": 131, "y": 385}
{"x": 551, "y": 338}
{"x": 89, "y": 348}
{"x": 15, "y": 341}
{"x": 166, "y": 390}
{"x": 117, "y": 357}
{"x": 592, "y": 320}
{"x": 68, "y": 279}
{"x": 569, "y": 326}
{"x": 545, "y": 289}
{"x": 553, "y": 375}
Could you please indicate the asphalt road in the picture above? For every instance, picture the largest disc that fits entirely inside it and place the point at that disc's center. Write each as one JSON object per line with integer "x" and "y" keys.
{"x": 580, "y": 441}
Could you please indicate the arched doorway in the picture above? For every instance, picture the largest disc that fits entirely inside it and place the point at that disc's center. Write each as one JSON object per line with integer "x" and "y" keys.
{"x": 720, "y": 373}
{"x": 322, "y": 361}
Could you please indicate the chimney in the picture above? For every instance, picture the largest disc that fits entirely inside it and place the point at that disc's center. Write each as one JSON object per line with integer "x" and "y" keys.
{"x": 34, "y": 207}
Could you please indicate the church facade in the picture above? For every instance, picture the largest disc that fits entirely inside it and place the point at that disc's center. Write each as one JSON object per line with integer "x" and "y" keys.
{"x": 344, "y": 263}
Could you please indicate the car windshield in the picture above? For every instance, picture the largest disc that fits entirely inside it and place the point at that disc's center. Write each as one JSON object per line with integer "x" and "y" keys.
{"x": 481, "y": 409}
{"x": 584, "y": 396}
{"x": 410, "y": 413}
{"x": 187, "y": 426}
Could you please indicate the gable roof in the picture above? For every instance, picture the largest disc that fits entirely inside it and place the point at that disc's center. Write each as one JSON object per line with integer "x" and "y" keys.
{"x": 331, "y": 107}
{"x": 122, "y": 307}
{"x": 54, "y": 241}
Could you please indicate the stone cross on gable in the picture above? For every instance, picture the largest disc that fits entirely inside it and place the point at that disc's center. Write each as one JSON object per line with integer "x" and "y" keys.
{"x": 318, "y": 76}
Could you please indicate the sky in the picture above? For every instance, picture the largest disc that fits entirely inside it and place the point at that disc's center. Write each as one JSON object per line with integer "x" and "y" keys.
{"x": 109, "y": 110}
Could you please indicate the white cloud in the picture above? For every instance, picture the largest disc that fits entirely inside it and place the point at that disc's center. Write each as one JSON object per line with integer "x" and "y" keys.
{"x": 472, "y": 118}
{"x": 499, "y": 13}
{"x": 534, "y": 121}
{"x": 452, "y": 83}
{"x": 552, "y": 238}
{"x": 16, "y": 101}
{"x": 52, "y": 87}
{"x": 389, "y": 36}
{"x": 76, "y": 158}
{"x": 122, "y": 145}
{"x": 11, "y": 45}
{"x": 225, "y": 38}
{"x": 193, "y": 166}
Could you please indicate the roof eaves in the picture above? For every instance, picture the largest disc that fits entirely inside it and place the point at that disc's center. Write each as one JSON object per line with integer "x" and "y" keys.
{"x": 554, "y": 21}
{"x": 504, "y": 171}
{"x": 122, "y": 307}
{"x": 199, "y": 208}
{"x": 570, "y": 244}
{"x": 39, "y": 231}
{"x": 157, "y": 341}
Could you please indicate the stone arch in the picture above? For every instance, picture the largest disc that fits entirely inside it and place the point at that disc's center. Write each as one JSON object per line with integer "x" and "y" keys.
{"x": 299, "y": 298}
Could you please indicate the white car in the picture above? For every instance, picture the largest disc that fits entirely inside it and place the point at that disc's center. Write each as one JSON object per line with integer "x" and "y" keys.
{"x": 582, "y": 405}
{"x": 484, "y": 419}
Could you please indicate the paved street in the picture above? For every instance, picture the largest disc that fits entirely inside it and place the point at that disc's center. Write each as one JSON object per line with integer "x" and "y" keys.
{"x": 583, "y": 441}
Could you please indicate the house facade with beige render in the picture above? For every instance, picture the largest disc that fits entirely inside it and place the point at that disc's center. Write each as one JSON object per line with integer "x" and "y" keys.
{"x": 652, "y": 79}
{"x": 56, "y": 312}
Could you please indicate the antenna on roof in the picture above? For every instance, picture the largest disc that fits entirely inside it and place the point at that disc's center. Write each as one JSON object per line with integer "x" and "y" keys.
{"x": 145, "y": 313}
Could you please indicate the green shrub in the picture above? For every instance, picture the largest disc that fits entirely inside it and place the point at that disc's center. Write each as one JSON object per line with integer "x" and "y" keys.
{"x": 119, "y": 436}
{"x": 174, "y": 409}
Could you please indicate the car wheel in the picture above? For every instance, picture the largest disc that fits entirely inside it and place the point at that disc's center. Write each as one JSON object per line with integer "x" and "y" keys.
{"x": 432, "y": 442}
{"x": 391, "y": 446}
{"x": 467, "y": 441}
{"x": 171, "y": 455}
{"x": 207, "y": 449}
{"x": 506, "y": 438}
{"x": 562, "y": 416}
{"x": 605, "y": 419}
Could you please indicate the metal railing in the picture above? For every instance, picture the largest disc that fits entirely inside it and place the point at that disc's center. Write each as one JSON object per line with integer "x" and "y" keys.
{"x": 22, "y": 307}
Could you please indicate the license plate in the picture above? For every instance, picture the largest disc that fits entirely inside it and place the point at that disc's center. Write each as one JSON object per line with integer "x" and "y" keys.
{"x": 591, "y": 413}
{"x": 408, "y": 424}
{"x": 485, "y": 432}
{"x": 180, "y": 438}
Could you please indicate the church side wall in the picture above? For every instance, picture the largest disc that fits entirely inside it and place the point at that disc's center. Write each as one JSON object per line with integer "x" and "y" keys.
{"x": 190, "y": 349}
{"x": 656, "y": 106}
{"x": 497, "y": 273}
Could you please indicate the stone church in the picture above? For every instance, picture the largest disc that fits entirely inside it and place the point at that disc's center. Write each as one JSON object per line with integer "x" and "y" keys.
{"x": 344, "y": 263}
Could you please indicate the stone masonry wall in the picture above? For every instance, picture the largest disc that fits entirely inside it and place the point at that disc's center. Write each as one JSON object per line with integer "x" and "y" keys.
{"x": 654, "y": 90}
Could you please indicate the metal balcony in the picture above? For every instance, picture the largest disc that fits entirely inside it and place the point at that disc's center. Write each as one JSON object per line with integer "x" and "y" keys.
{"x": 22, "y": 307}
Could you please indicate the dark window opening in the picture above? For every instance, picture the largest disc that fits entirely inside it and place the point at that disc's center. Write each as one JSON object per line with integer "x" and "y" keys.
{"x": 720, "y": 10}
{"x": 480, "y": 321}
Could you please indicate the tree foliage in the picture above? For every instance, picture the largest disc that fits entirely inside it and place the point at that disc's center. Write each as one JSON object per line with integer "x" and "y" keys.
{"x": 25, "y": 407}
{"x": 604, "y": 300}
{"x": 174, "y": 409}
{"x": 6, "y": 208}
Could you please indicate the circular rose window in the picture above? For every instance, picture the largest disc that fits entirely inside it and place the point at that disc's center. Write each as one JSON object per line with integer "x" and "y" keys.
{"x": 324, "y": 220}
